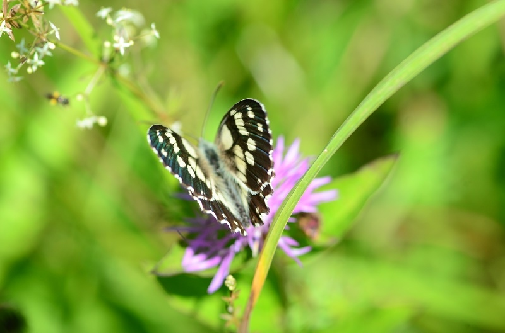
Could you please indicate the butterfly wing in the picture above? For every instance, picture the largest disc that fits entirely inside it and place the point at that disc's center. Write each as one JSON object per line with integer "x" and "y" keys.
{"x": 222, "y": 214}
{"x": 245, "y": 140}
{"x": 182, "y": 159}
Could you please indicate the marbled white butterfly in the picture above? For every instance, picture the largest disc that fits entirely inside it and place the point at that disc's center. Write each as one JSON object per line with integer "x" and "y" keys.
{"x": 229, "y": 178}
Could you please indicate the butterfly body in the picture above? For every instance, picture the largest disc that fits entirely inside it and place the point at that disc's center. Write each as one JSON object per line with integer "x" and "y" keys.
{"x": 226, "y": 187}
{"x": 229, "y": 178}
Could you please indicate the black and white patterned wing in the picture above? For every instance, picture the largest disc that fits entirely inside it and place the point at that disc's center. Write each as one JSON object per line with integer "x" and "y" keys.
{"x": 222, "y": 214}
{"x": 185, "y": 162}
{"x": 245, "y": 140}
{"x": 182, "y": 159}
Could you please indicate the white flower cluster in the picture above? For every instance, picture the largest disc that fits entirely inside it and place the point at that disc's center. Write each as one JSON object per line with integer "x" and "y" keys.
{"x": 51, "y": 3}
{"x": 30, "y": 55}
{"x": 126, "y": 23}
{"x": 4, "y": 28}
{"x": 90, "y": 121}
{"x": 127, "y": 27}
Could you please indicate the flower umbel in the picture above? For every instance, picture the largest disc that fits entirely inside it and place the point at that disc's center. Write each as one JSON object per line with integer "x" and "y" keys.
{"x": 211, "y": 244}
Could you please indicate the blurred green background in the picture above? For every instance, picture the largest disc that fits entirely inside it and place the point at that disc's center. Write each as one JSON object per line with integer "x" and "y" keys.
{"x": 82, "y": 212}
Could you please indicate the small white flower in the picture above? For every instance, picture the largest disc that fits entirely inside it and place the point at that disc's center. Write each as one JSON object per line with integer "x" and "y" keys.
{"x": 21, "y": 47}
{"x": 150, "y": 36}
{"x": 154, "y": 31}
{"x": 86, "y": 122}
{"x": 104, "y": 12}
{"x": 90, "y": 121}
{"x": 123, "y": 15}
{"x": 54, "y": 29}
{"x": 35, "y": 62}
{"x": 102, "y": 121}
{"x": 3, "y": 28}
{"x": 71, "y": 2}
{"x": 44, "y": 51}
{"x": 14, "y": 78}
{"x": 52, "y": 3}
{"x": 124, "y": 70}
{"x": 120, "y": 44}
{"x": 9, "y": 69}
{"x": 131, "y": 16}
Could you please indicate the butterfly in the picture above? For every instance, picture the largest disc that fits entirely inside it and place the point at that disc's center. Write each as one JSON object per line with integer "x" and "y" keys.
{"x": 230, "y": 178}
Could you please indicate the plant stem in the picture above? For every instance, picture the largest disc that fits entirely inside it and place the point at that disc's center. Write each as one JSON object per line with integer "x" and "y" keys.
{"x": 156, "y": 108}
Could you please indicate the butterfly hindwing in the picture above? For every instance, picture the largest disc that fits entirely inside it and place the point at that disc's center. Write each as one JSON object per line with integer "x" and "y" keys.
{"x": 258, "y": 208}
{"x": 181, "y": 159}
{"x": 222, "y": 214}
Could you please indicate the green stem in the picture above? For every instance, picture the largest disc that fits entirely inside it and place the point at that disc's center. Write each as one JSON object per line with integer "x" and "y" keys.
{"x": 134, "y": 89}
{"x": 158, "y": 110}
{"x": 78, "y": 53}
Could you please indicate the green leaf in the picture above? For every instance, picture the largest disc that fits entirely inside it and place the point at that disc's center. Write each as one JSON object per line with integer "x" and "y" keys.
{"x": 382, "y": 285}
{"x": 354, "y": 191}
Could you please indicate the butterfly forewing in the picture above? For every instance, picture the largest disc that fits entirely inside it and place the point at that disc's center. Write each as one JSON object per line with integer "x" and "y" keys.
{"x": 244, "y": 136}
{"x": 181, "y": 159}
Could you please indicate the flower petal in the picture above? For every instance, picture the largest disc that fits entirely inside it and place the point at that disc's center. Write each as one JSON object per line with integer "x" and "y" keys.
{"x": 278, "y": 151}
{"x": 292, "y": 154}
{"x": 222, "y": 273}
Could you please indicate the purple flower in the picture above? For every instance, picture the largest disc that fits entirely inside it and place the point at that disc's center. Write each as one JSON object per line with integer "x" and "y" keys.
{"x": 211, "y": 244}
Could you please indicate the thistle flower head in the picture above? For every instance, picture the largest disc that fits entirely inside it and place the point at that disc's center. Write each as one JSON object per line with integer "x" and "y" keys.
{"x": 211, "y": 244}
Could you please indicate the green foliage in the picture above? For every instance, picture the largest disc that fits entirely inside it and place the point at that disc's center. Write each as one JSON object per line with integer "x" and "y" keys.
{"x": 82, "y": 212}
{"x": 354, "y": 191}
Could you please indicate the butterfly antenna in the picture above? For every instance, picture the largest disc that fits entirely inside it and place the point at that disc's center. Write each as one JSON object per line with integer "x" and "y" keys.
{"x": 146, "y": 122}
{"x": 219, "y": 85}
{"x": 184, "y": 238}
